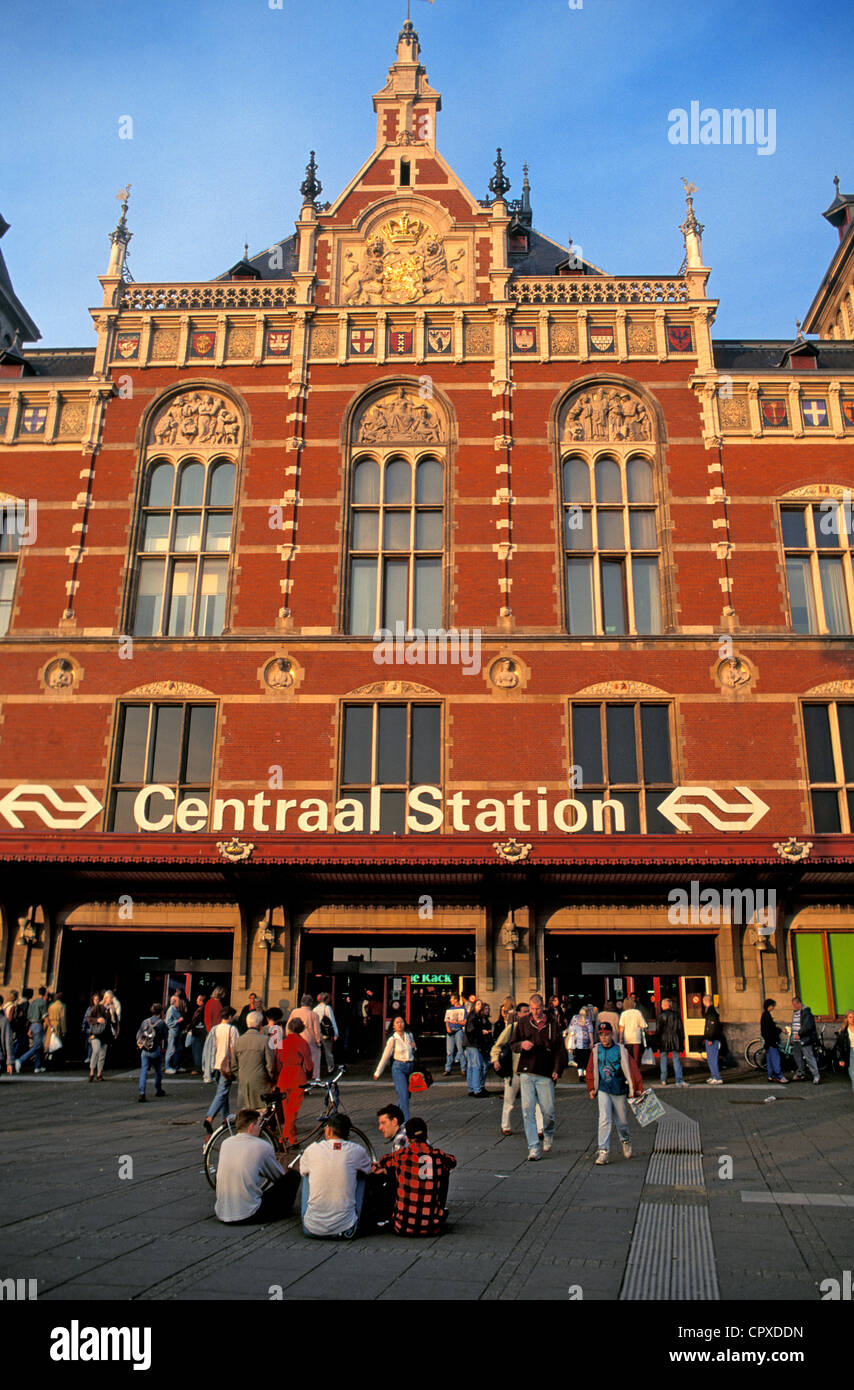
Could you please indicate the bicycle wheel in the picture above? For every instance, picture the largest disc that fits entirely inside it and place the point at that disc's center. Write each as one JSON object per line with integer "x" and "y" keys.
{"x": 752, "y": 1054}
{"x": 212, "y": 1148}
{"x": 358, "y": 1137}
{"x": 215, "y": 1143}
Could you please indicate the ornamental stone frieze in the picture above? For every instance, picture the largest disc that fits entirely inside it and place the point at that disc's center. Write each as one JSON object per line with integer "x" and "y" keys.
{"x": 605, "y": 413}
{"x": 400, "y": 416}
{"x": 620, "y": 688}
{"x": 173, "y": 688}
{"x": 199, "y": 418}
{"x": 393, "y": 688}
{"x": 403, "y": 261}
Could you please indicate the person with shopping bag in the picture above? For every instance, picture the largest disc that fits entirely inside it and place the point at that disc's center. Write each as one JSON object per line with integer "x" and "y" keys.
{"x": 613, "y": 1078}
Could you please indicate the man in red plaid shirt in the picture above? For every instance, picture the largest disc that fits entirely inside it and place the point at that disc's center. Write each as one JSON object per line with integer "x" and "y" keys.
{"x": 421, "y": 1173}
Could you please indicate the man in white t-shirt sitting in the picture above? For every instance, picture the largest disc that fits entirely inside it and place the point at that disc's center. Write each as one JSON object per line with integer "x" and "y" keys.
{"x": 333, "y": 1183}
{"x": 245, "y": 1161}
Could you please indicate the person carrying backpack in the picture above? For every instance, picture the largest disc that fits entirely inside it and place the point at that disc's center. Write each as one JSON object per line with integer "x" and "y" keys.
{"x": 151, "y": 1040}
{"x": 328, "y": 1028}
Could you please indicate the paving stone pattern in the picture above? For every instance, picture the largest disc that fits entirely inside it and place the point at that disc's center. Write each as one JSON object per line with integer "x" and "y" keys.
{"x": 519, "y": 1230}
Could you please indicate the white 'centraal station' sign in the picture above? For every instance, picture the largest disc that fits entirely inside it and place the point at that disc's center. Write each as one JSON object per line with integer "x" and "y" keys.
{"x": 427, "y": 810}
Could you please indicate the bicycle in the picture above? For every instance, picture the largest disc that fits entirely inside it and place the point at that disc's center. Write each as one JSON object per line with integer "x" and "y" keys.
{"x": 271, "y": 1128}
{"x": 755, "y": 1055}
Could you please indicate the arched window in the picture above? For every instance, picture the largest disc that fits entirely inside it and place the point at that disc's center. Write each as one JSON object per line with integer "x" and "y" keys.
{"x": 183, "y": 542}
{"x": 396, "y": 543}
{"x": 611, "y": 544}
{"x": 817, "y": 540}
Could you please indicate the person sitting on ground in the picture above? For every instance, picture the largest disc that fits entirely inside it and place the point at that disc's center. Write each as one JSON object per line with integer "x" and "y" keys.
{"x": 382, "y": 1188}
{"x": 421, "y": 1174}
{"x": 246, "y": 1161}
{"x": 334, "y": 1172}
{"x": 390, "y": 1123}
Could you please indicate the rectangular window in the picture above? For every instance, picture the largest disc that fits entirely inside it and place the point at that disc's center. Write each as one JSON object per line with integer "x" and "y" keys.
{"x": 623, "y": 751}
{"x": 393, "y": 747}
{"x": 170, "y": 744}
{"x": 829, "y": 743}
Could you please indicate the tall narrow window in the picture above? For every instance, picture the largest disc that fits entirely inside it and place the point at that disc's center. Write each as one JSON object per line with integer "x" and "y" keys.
{"x": 182, "y": 549}
{"x": 396, "y": 544}
{"x": 9, "y": 551}
{"x": 611, "y": 547}
{"x": 169, "y": 744}
{"x": 623, "y": 751}
{"x": 829, "y": 739}
{"x": 394, "y": 748}
{"x": 817, "y": 540}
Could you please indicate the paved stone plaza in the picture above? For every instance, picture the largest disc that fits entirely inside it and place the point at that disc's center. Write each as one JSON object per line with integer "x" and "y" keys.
{"x": 782, "y": 1223}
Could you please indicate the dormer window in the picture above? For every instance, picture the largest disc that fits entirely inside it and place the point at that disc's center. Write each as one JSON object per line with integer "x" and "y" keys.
{"x": 405, "y": 174}
{"x": 517, "y": 239}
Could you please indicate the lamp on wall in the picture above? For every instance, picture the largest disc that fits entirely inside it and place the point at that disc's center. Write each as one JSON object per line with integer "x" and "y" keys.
{"x": 268, "y": 937}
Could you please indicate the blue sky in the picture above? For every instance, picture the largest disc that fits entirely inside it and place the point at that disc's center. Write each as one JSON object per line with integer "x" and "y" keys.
{"x": 228, "y": 96}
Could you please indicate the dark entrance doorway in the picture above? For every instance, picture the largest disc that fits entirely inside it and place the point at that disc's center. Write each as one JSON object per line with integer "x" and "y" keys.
{"x": 141, "y": 967}
{"x": 594, "y": 968}
{"x": 371, "y": 982}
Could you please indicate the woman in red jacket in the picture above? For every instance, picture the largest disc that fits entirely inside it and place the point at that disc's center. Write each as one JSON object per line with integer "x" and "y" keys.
{"x": 296, "y": 1069}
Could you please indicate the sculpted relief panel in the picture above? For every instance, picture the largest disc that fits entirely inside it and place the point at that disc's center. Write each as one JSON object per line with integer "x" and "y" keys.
{"x": 399, "y": 416}
{"x": 605, "y": 413}
{"x": 405, "y": 262}
{"x": 196, "y": 418}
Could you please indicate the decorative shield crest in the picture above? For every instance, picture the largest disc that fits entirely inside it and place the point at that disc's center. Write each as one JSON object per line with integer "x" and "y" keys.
{"x": 202, "y": 344}
{"x": 403, "y": 278}
{"x": 775, "y": 413}
{"x": 127, "y": 344}
{"x": 279, "y": 342}
{"x": 679, "y": 337}
{"x": 33, "y": 421}
{"x": 524, "y": 339}
{"x": 602, "y": 339}
{"x": 400, "y": 340}
{"x": 362, "y": 340}
{"x": 848, "y": 412}
{"x": 439, "y": 339}
{"x": 815, "y": 412}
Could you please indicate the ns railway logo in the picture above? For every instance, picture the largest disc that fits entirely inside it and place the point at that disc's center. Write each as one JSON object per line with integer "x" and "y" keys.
{"x": 33, "y": 805}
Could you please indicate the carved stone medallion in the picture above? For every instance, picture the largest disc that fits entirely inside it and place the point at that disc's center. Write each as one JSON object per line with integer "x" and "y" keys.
{"x": 734, "y": 412}
{"x": 733, "y": 673}
{"x": 606, "y": 413}
{"x": 241, "y": 341}
{"x": 640, "y": 337}
{"x": 164, "y": 344}
{"x": 478, "y": 339}
{"x": 72, "y": 418}
{"x": 324, "y": 341}
{"x": 204, "y": 419}
{"x": 399, "y": 415}
{"x": 60, "y": 676}
{"x": 563, "y": 339}
{"x": 504, "y": 673}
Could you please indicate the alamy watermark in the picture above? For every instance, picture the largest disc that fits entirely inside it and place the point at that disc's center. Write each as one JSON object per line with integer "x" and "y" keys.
{"x": 438, "y": 646}
{"x": 738, "y": 906}
{"x": 724, "y": 126}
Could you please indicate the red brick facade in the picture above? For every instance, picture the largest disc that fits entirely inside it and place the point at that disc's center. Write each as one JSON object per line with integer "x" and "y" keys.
{"x": 727, "y": 663}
